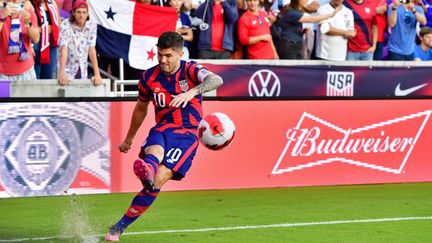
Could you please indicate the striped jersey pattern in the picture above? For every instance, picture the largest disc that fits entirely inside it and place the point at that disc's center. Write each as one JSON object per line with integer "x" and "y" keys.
{"x": 159, "y": 88}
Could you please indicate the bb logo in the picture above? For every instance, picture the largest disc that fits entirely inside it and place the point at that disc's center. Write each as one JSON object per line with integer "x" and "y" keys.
{"x": 45, "y": 146}
{"x": 340, "y": 84}
{"x": 264, "y": 83}
{"x": 37, "y": 148}
{"x": 385, "y": 146}
{"x": 41, "y": 155}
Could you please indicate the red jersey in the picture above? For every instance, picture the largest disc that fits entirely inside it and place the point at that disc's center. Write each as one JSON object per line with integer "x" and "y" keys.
{"x": 253, "y": 25}
{"x": 159, "y": 88}
{"x": 364, "y": 17}
{"x": 218, "y": 26}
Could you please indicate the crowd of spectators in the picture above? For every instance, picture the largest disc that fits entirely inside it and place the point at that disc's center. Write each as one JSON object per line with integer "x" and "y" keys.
{"x": 31, "y": 33}
{"x": 39, "y": 38}
{"x": 334, "y": 30}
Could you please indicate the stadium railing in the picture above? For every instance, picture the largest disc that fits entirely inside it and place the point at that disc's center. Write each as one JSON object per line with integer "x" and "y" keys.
{"x": 51, "y": 88}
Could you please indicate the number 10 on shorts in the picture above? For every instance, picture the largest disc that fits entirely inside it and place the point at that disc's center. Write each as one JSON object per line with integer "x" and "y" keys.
{"x": 173, "y": 155}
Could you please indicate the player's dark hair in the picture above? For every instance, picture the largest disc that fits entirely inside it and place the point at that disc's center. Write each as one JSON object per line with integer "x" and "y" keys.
{"x": 170, "y": 39}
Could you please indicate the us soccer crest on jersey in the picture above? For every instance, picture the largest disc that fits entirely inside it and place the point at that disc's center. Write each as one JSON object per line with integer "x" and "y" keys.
{"x": 184, "y": 86}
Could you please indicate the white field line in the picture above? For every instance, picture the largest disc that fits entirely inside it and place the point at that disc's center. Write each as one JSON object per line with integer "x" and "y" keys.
{"x": 287, "y": 225}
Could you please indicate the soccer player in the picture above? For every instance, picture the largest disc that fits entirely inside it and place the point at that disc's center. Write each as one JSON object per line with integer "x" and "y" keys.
{"x": 175, "y": 88}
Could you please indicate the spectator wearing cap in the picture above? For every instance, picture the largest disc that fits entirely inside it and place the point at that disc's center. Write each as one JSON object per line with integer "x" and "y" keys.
{"x": 402, "y": 20}
{"x": 423, "y": 52}
{"x": 77, "y": 44}
{"x": 18, "y": 28}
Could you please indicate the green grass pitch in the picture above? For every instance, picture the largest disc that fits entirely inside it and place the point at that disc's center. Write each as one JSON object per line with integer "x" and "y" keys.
{"x": 385, "y": 213}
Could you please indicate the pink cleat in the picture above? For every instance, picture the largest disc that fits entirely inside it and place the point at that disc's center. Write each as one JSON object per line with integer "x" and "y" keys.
{"x": 113, "y": 234}
{"x": 145, "y": 173}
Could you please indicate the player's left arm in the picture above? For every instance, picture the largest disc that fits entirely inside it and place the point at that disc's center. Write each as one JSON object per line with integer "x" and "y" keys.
{"x": 210, "y": 82}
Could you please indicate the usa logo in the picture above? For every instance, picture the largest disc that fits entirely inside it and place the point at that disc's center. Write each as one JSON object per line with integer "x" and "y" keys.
{"x": 385, "y": 146}
{"x": 340, "y": 84}
{"x": 184, "y": 86}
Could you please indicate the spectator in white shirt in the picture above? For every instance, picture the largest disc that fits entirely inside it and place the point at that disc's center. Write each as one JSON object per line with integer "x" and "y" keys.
{"x": 334, "y": 33}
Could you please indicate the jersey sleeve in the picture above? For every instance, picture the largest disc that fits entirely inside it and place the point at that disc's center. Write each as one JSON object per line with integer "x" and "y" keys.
{"x": 143, "y": 92}
{"x": 196, "y": 72}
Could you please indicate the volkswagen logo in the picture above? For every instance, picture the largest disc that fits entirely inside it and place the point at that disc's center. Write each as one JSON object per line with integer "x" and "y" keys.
{"x": 264, "y": 83}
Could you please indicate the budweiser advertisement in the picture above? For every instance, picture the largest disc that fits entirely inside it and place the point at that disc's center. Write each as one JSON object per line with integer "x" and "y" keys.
{"x": 322, "y": 81}
{"x": 299, "y": 143}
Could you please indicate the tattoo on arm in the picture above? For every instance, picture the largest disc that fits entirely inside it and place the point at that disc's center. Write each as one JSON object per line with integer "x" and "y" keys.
{"x": 211, "y": 82}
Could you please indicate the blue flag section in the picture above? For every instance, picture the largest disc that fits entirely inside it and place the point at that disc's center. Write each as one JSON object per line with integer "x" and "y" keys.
{"x": 107, "y": 44}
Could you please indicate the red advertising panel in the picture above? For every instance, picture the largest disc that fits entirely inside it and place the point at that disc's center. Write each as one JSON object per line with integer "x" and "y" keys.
{"x": 299, "y": 143}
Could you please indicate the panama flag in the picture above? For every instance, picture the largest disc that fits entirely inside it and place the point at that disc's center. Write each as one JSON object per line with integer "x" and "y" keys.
{"x": 130, "y": 30}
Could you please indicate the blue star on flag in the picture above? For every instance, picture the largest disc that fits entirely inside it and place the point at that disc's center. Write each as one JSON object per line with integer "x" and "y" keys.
{"x": 110, "y": 14}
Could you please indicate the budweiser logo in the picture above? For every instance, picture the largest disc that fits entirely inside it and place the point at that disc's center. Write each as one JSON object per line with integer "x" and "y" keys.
{"x": 384, "y": 146}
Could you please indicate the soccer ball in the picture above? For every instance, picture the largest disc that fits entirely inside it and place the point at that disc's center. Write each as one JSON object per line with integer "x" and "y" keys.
{"x": 216, "y": 131}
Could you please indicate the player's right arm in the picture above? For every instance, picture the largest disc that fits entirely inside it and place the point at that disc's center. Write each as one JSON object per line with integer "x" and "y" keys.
{"x": 138, "y": 116}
